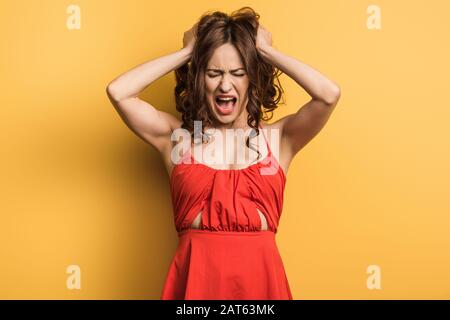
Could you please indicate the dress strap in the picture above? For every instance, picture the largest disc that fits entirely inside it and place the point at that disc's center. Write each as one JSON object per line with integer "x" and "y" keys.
{"x": 267, "y": 142}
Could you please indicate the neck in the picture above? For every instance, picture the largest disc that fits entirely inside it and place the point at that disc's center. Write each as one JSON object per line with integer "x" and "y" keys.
{"x": 239, "y": 123}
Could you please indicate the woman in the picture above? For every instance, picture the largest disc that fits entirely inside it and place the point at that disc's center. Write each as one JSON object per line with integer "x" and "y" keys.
{"x": 226, "y": 214}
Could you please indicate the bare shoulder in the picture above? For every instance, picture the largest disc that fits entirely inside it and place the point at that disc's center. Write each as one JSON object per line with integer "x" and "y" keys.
{"x": 279, "y": 147}
{"x": 174, "y": 124}
{"x": 166, "y": 151}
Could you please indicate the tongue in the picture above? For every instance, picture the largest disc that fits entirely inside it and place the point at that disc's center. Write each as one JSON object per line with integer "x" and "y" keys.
{"x": 226, "y": 104}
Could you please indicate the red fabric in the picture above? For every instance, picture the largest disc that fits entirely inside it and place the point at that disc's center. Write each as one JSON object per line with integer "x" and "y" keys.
{"x": 229, "y": 257}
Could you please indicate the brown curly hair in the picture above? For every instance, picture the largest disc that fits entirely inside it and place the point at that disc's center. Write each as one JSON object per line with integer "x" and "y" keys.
{"x": 213, "y": 30}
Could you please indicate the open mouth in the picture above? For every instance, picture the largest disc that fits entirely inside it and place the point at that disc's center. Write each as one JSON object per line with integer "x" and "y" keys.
{"x": 225, "y": 106}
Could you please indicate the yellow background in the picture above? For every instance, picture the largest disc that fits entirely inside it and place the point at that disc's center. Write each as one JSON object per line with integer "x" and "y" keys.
{"x": 78, "y": 187}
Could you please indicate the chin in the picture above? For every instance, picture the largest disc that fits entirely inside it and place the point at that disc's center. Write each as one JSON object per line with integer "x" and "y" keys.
{"x": 228, "y": 118}
{"x": 225, "y": 120}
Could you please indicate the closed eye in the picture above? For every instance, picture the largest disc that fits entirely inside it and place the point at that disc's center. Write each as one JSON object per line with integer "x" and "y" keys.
{"x": 215, "y": 75}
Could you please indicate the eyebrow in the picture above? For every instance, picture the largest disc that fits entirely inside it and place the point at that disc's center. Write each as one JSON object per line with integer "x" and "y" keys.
{"x": 219, "y": 70}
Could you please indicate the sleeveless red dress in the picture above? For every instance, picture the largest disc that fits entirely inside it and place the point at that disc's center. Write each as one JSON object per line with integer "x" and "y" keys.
{"x": 229, "y": 257}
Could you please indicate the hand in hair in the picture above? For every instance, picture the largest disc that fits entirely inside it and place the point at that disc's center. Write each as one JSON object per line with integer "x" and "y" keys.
{"x": 189, "y": 37}
{"x": 263, "y": 38}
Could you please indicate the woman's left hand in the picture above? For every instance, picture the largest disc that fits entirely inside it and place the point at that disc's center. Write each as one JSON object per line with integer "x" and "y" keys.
{"x": 263, "y": 38}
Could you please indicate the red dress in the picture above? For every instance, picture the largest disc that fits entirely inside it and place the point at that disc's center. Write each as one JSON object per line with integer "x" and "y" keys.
{"x": 229, "y": 257}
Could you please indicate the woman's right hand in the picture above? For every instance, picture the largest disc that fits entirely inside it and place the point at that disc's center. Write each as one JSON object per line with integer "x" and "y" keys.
{"x": 190, "y": 37}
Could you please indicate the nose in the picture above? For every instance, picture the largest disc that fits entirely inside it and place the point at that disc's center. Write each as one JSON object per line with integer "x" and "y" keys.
{"x": 225, "y": 84}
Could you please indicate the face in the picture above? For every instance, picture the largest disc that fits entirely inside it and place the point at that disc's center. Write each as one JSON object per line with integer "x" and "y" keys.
{"x": 226, "y": 75}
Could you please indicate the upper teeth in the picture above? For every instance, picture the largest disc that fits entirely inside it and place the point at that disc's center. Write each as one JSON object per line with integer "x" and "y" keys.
{"x": 225, "y": 99}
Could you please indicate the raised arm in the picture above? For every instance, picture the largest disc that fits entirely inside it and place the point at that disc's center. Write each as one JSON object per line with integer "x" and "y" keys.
{"x": 299, "y": 128}
{"x": 151, "y": 125}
